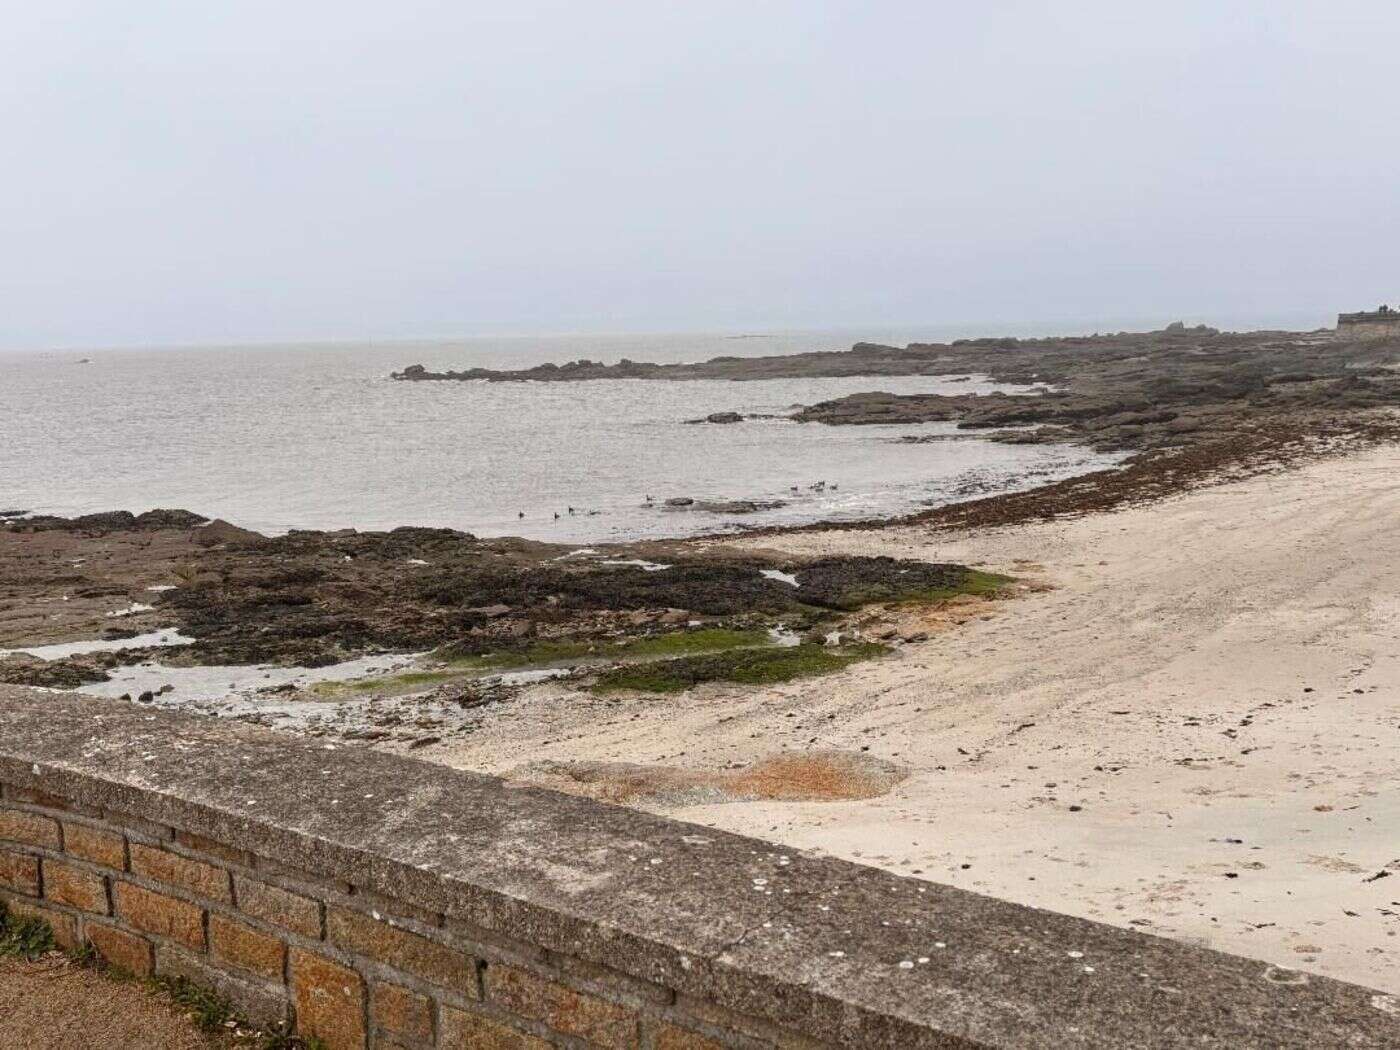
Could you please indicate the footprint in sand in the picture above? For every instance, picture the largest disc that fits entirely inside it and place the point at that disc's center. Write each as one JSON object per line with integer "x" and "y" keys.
{"x": 1336, "y": 864}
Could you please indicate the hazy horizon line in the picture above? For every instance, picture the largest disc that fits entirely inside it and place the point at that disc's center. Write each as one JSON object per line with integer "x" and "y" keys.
{"x": 1048, "y": 327}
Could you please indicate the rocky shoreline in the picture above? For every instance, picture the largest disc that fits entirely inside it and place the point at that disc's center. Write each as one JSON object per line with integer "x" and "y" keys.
{"x": 462, "y": 622}
{"x": 470, "y": 621}
{"x": 1184, "y": 405}
{"x": 1129, "y": 391}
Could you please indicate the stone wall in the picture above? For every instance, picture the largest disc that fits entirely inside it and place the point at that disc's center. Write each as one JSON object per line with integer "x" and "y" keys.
{"x": 1369, "y": 324}
{"x": 376, "y": 901}
{"x": 348, "y": 965}
{"x": 1379, "y": 329}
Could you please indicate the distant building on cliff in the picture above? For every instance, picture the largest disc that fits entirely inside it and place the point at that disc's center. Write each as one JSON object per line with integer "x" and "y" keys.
{"x": 1381, "y": 323}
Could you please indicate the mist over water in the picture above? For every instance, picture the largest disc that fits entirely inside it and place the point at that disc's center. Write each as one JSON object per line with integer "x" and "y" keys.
{"x": 275, "y": 438}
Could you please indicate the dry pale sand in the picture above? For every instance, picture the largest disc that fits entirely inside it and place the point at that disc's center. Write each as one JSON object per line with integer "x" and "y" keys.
{"x": 1195, "y": 730}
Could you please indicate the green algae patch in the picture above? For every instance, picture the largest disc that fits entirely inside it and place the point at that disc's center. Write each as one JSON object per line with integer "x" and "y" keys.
{"x": 929, "y": 585}
{"x": 741, "y": 666}
{"x": 553, "y": 653}
{"x": 974, "y": 582}
{"x": 404, "y": 682}
{"x": 684, "y": 643}
{"x": 673, "y": 643}
{"x": 536, "y": 654}
{"x": 674, "y": 660}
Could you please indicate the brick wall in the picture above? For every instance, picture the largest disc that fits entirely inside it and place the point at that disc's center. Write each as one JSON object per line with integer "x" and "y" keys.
{"x": 377, "y": 901}
{"x": 332, "y": 959}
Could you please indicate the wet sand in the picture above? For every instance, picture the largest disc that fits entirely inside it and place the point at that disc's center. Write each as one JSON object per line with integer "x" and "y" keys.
{"x": 1192, "y": 729}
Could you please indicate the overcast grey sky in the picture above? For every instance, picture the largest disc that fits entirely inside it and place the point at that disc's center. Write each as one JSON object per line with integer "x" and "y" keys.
{"x": 212, "y": 171}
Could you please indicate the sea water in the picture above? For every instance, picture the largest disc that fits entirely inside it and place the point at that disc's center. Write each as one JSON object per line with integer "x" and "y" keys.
{"x": 318, "y": 436}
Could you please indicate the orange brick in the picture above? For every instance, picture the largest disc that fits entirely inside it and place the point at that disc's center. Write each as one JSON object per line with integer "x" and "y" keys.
{"x": 19, "y": 872}
{"x": 402, "y": 950}
{"x": 563, "y": 1009}
{"x": 463, "y": 1030}
{"x": 64, "y": 927}
{"x": 122, "y": 950}
{"x": 669, "y": 1037}
{"x": 199, "y": 878}
{"x": 402, "y": 1012}
{"x": 246, "y": 947}
{"x": 280, "y": 907}
{"x": 159, "y": 914}
{"x": 75, "y": 887}
{"x": 330, "y": 1001}
{"x": 29, "y": 828}
{"x": 96, "y": 845}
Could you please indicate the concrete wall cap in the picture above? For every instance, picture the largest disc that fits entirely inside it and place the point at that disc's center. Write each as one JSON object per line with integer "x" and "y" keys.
{"x": 849, "y": 954}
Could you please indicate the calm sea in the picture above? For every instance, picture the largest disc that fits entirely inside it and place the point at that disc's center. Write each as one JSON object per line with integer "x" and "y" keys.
{"x": 318, "y": 436}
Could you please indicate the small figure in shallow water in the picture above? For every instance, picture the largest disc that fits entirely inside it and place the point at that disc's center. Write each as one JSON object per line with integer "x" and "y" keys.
{"x": 521, "y": 515}
{"x": 571, "y": 510}
{"x": 556, "y": 515}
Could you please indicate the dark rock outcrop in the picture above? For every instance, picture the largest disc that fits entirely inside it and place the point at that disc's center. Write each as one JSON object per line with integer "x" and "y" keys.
{"x": 1133, "y": 391}
{"x": 114, "y": 521}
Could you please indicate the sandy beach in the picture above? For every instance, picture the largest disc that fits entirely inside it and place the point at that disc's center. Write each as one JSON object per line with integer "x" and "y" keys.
{"x": 1188, "y": 726}
{"x": 701, "y": 527}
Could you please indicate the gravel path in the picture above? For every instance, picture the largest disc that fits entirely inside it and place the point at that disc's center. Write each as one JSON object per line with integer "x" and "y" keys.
{"x": 52, "y": 1004}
